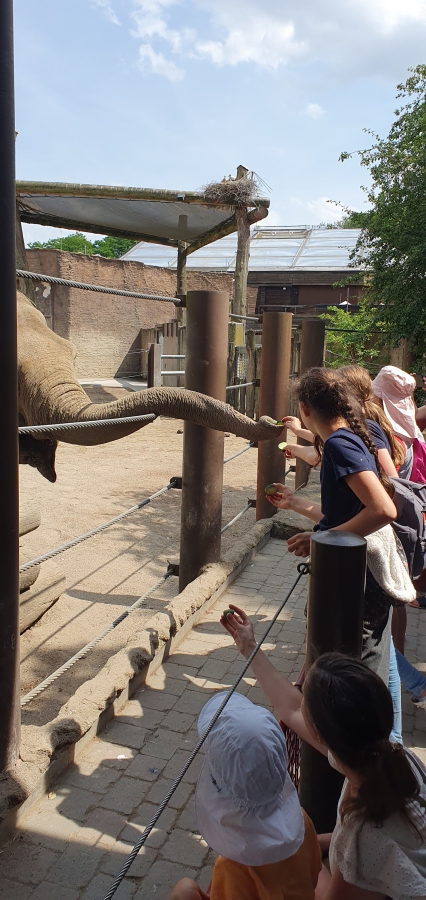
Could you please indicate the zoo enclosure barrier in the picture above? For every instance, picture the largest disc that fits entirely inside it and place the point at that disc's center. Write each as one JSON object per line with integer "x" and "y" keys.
{"x": 274, "y": 379}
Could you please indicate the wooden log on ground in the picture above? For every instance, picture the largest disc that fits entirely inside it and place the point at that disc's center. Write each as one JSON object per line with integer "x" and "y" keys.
{"x": 29, "y": 518}
{"x": 38, "y": 598}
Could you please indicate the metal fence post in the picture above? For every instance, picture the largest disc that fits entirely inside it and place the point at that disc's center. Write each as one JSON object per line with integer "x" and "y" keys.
{"x": 312, "y": 348}
{"x": 274, "y": 388}
{"x": 202, "y": 471}
{"x": 154, "y": 365}
{"x": 335, "y": 614}
{"x": 9, "y": 513}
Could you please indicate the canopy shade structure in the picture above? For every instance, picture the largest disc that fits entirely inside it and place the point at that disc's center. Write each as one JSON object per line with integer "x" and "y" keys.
{"x": 171, "y": 218}
{"x": 271, "y": 248}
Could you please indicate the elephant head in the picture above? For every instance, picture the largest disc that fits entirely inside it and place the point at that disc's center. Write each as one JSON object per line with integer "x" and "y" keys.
{"x": 50, "y": 394}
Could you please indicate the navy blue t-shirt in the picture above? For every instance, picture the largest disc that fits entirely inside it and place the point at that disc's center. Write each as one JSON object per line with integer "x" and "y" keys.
{"x": 378, "y": 435}
{"x": 344, "y": 454}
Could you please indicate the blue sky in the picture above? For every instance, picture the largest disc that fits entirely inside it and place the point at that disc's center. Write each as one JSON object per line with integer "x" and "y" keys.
{"x": 177, "y": 93}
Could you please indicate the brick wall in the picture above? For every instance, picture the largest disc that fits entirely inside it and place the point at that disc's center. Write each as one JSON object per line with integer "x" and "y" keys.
{"x": 105, "y": 328}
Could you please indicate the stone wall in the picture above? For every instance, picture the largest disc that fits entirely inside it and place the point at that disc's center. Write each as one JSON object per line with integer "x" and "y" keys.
{"x": 105, "y": 328}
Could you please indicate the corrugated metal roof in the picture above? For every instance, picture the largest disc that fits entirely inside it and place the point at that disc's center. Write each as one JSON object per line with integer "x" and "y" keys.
{"x": 271, "y": 248}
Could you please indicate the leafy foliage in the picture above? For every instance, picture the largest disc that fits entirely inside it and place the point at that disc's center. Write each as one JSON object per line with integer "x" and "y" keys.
{"x": 392, "y": 243}
{"x": 352, "y": 219}
{"x": 354, "y": 339}
{"x": 110, "y": 247}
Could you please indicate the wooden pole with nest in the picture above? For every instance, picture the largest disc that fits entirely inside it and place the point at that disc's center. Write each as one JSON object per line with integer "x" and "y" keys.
{"x": 239, "y": 300}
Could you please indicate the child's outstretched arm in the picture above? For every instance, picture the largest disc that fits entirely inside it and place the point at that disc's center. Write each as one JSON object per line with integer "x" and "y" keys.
{"x": 295, "y": 425}
{"x": 281, "y": 693}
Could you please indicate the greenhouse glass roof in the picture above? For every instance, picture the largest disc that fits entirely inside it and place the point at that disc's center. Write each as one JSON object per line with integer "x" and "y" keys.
{"x": 273, "y": 248}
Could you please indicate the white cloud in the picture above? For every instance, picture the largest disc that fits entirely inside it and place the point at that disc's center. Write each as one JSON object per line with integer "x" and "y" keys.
{"x": 262, "y": 39}
{"x": 154, "y": 62}
{"x": 319, "y": 210}
{"x": 350, "y": 39}
{"x": 106, "y": 7}
{"x": 314, "y": 110}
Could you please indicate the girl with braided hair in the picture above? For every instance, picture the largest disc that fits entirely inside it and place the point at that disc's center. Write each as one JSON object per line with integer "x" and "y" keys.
{"x": 356, "y": 494}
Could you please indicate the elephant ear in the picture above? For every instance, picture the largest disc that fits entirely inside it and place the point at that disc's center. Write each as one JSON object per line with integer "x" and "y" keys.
{"x": 38, "y": 454}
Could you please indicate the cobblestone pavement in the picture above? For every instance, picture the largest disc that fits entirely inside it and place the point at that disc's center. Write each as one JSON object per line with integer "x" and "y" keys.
{"x": 75, "y": 840}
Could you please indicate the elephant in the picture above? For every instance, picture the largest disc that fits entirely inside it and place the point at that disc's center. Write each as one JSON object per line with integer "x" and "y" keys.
{"x": 49, "y": 393}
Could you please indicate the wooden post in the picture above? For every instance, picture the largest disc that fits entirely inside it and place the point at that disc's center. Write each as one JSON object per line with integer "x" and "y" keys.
{"x": 10, "y": 718}
{"x": 274, "y": 383}
{"x": 181, "y": 280}
{"x": 239, "y": 301}
{"x": 154, "y": 365}
{"x": 202, "y": 470}
{"x": 311, "y": 354}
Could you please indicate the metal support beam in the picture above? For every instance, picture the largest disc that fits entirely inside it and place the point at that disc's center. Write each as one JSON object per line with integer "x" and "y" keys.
{"x": 274, "y": 388}
{"x": 312, "y": 348}
{"x": 154, "y": 365}
{"x": 335, "y": 614}
{"x": 202, "y": 473}
{"x": 9, "y": 510}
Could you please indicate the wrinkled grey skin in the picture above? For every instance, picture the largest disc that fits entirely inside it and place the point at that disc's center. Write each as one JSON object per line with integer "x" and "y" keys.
{"x": 49, "y": 393}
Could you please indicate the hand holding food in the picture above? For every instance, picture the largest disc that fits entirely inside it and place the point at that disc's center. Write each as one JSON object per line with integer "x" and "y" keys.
{"x": 241, "y": 630}
{"x": 279, "y": 495}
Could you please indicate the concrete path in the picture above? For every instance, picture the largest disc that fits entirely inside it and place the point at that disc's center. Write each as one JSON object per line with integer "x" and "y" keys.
{"x": 74, "y": 842}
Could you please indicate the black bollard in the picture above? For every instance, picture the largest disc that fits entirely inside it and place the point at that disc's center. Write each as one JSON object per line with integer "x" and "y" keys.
{"x": 335, "y": 614}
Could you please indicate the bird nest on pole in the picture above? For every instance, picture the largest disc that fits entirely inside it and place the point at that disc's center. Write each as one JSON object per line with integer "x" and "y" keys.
{"x": 233, "y": 191}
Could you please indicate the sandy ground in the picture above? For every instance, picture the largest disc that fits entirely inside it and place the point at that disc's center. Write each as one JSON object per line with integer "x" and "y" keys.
{"x": 109, "y": 572}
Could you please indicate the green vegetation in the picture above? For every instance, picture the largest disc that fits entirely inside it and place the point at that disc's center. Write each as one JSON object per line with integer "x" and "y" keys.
{"x": 392, "y": 243}
{"x": 355, "y": 339}
{"x": 110, "y": 247}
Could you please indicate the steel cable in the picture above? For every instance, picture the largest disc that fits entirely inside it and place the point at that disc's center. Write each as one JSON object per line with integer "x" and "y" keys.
{"x": 94, "y": 531}
{"x": 238, "y": 516}
{"x": 100, "y": 289}
{"x": 303, "y": 569}
{"x": 85, "y": 650}
{"x": 45, "y": 429}
{"x": 234, "y": 455}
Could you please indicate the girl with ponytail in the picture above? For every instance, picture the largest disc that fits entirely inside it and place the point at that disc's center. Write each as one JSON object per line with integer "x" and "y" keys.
{"x": 378, "y": 847}
{"x": 356, "y": 494}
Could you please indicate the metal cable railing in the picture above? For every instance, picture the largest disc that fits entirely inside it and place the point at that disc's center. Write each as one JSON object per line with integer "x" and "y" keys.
{"x": 303, "y": 569}
{"x": 234, "y": 455}
{"x": 235, "y": 387}
{"x": 238, "y": 516}
{"x": 86, "y": 649}
{"x": 46, "y": 429}
{"x": 97, "y": 530}
{"x": 100, "y": 289}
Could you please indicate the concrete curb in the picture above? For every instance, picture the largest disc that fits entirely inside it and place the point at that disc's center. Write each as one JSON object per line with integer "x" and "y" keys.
{"x": 46, "y": 751}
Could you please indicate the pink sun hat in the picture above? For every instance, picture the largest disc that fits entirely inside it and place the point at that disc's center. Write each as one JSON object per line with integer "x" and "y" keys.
{"x": 395, "y": 387}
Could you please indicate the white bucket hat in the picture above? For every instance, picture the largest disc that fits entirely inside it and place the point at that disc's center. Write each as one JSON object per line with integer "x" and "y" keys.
{"x": 246, "y": 805}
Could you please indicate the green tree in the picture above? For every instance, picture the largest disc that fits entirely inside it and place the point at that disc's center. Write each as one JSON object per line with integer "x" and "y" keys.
{"x": 354, "y": 339}
{"x": 73, "y": 243}
{"x": 392, "y": 244}
{"x": 110, "y": 247}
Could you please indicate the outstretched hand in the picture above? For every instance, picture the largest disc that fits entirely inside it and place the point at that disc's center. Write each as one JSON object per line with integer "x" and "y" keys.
{"x": 300, "y": 544}
{"x": 241, "y": 630}
{"x": 283, "y": 498}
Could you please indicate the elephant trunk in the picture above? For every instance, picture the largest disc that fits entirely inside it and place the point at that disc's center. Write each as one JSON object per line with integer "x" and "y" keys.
{"x": 50, "y": 394}
{"x": 176, "y": 403}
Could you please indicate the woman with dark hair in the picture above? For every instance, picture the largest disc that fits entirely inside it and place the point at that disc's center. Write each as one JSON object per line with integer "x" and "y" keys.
{"x": 377, "y": 849}
{"x": 356, "y": 496}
